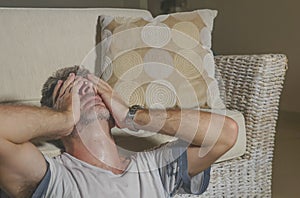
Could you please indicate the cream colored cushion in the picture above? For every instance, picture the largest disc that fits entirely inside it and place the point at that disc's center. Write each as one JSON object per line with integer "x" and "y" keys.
{"x": 48, "y": 149}
{"x": 163, "y": 62}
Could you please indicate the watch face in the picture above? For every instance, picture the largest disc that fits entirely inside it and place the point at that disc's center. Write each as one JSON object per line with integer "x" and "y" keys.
{"x": 130, "y": 116}
{"x": 134, "y": 108}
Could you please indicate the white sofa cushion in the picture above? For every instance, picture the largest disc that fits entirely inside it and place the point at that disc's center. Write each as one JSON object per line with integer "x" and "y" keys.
{"x": 35, "y": 42}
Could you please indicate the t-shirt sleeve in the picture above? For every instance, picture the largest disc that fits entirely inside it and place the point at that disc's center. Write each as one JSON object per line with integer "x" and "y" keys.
{"x": 41, "y": 190}
{"x": 173, "y": 171}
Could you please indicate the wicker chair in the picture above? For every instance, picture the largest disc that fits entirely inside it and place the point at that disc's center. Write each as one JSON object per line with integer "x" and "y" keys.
{"x": 252, "y": 84}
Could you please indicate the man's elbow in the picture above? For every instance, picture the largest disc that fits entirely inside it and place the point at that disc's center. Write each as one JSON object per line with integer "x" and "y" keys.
{"x": 230, "y": 133}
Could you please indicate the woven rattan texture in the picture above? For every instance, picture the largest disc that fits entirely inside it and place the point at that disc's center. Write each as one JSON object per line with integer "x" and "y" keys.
{"x": 251, "y": 84}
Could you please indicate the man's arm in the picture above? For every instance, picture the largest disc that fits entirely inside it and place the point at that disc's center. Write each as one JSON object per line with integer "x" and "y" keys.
{"x": 22, "y": 166}
{"x": 20, "y": 123}
{"x": 211, "y": 135}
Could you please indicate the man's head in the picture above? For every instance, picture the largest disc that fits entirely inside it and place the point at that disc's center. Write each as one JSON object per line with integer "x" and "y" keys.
{"x": 92, "y": 106}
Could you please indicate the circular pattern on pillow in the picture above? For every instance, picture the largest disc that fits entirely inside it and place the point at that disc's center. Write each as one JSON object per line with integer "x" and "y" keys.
{"x": 185, "y": 35}
{"x": 128, "y": 66}
{"x": 160, "y": 93}
{"x": 158, "y": 63}
{"x": 185, "y": 63}
{"x": 156, "y": 34}
{"x": 173, "y": 50}
{"x": 131, "y": 92}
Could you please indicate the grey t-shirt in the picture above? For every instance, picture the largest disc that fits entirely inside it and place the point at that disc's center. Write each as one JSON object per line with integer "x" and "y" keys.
{"x": 158, "y": 173}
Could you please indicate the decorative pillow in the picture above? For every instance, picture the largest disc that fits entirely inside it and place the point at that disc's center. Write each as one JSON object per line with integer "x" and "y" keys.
{"x": 163, "y": 62}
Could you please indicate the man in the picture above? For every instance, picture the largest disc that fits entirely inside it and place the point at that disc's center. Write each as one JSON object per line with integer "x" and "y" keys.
{"x": 83, "y": 109}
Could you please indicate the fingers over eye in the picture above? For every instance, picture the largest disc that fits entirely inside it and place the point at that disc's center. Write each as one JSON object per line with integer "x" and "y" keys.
{"x": 77, "y": 84}
{"x": 67, "y": 83}
{"x": 56, "y": 89}
{"x": 62, "y": 86}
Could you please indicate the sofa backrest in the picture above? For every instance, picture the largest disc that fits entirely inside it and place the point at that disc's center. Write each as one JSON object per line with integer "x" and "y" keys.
{"x": 34, "y": 42}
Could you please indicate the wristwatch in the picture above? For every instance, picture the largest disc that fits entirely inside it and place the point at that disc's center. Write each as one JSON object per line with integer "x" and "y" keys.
{"x": 130, "y": 116}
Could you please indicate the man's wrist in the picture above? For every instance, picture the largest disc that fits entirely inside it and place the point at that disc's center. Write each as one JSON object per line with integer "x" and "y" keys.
{"x": 68, "y": 122}
{"x": 129, "y": 120}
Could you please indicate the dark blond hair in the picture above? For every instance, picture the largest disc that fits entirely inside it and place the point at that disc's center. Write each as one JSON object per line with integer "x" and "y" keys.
{"x": 61, "y": 74}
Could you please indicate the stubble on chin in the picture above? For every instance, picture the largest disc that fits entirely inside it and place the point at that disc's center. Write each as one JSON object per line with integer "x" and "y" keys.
{"x": 96, "y": 114}
{"x": 89, "y": 117}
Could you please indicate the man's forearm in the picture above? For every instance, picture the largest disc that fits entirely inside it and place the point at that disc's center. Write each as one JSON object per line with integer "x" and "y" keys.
{"x": 20, "y": 123}
{"x": 190, "y": 125}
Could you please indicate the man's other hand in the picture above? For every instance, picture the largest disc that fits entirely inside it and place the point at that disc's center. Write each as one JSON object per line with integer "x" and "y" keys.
{"x": 115, "y": 104}
{"x": 66, "y": 99}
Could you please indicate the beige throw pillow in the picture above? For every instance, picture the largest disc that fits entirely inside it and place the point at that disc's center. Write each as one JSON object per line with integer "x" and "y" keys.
{"x": 163, "y": 62}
